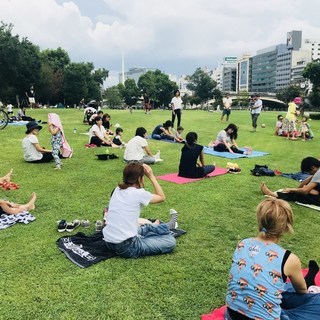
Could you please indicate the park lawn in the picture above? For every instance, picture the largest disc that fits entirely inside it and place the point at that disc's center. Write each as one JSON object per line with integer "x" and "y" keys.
{"x": 38, "y": 282}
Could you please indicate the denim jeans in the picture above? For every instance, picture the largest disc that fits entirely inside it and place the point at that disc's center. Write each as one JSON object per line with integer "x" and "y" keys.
{"x": 161, "y": 136}
{"x": 151, "y": 240}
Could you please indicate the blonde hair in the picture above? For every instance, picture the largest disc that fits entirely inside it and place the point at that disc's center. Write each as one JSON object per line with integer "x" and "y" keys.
{"x": 274, "y": 217}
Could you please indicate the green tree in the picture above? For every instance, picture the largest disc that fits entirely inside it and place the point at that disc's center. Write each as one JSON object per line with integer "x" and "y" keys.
{"x": 158, "y": 86}
{"x": 82, "y": 81}
{"x": 202, "y": 86}
{"x": 130, "y": 92}
{"x": 19, "y": 64}
{"x": 113, "y": 96}
{"x": 312, "y": 72}
{"x": 243, "y": 98}
{"x": 288, "y": 93}
{"x": 58, "y": 59}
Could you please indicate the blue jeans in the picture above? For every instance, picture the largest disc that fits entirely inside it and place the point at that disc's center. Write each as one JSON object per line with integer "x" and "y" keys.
{"x": 297, "y": 306}
{"x": 161, "y": 136}
{"x": 151, "y": 240}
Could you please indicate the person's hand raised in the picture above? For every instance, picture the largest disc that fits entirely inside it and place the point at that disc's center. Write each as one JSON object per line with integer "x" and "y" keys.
{"x": 147, "y": 170}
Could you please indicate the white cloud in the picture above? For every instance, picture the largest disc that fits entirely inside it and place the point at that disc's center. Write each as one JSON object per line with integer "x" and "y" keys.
{"x": 173, "y": 35}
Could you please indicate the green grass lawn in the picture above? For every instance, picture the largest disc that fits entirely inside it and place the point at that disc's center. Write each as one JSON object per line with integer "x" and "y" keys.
{"x": 38, "y": 282}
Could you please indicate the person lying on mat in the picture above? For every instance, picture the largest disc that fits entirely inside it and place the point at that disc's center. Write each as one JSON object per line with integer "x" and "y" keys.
{"x": 137, "y": 149}
{"x": 226, "y": 141}
{"x": 257, "y": 287}
{"x": 122, "y": 233}
{"x": 15, "y": 208}
{"x": 308, "y": 191}
{"x": 163, "y": 131}
{"x": 189, "y": 166}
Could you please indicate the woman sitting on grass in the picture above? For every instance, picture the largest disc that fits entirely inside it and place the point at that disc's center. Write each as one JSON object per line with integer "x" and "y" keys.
{"x": 190, "y": 153}
{"x": 257, "y": 286}
{"x": 32, "y": 150}
{"x": 99, "y": 136}
{"x": 137, "y": 149}
{"x": 308, "y": 191}
{"x": 15, "y": 208}
{"x": 163, "y": 131}
{"x": 226, "y": 141}
{"x": 122, "y": 233}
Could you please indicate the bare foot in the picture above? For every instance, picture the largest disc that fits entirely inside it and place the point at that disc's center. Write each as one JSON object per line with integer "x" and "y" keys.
{"x": 31, "y": 204}
{"x": 7, "y": 177}
{"x": 265, "y": 190}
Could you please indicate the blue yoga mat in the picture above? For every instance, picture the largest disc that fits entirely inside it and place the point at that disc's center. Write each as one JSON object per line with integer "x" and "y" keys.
{"x": 228, "y": 155}
{"x": 163, "y": 140}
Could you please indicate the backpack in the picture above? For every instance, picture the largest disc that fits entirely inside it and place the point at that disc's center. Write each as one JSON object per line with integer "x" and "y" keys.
{"x": 262, "y": 170}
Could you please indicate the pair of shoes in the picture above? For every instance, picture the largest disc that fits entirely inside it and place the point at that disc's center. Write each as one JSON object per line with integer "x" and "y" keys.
{"x": 85, "y": 223}
{"x": 63, "y": 225}
{"x": 99, "y": 226}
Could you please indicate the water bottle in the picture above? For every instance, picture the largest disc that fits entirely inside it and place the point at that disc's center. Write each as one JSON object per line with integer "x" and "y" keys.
{"x": 75, "y": 130}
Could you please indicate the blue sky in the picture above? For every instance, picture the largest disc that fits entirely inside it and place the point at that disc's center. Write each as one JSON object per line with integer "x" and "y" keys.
{"x": 175, "y": 36}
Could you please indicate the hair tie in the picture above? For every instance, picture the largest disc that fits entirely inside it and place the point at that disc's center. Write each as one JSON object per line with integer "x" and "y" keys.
{"x": 264, "y": 230}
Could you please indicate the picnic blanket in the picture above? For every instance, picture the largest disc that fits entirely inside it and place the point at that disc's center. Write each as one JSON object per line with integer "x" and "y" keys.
{"x": 217, "y": 314}
{"x": 8, "y": 220}
{"x": 173, "y": 177}
{"x": 299, "y": 176}
{"x": 228, "y": 155}
{"x": 85, "y": 251}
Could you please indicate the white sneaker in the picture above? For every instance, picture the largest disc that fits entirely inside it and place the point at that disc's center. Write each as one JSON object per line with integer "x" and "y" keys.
{"x": 158, "y": 160}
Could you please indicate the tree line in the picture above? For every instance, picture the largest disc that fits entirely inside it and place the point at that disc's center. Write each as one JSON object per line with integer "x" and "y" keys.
{"x": 53, "y": 75}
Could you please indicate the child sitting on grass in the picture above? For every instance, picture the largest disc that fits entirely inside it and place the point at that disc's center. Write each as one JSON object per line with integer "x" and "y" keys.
{"x": 118, "y": 139}
{"x": 177, "y": 136}
{"x": 257, "y": 286}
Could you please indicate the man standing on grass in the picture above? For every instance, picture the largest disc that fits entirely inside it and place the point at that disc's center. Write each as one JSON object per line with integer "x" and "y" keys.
{"x": 227, "y": 102}
{"x": 255, "y": 111}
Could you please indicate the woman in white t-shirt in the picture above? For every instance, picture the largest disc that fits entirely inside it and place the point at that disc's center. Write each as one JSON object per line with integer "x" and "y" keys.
{"x": 122, "y": 232}
{"x": 32, "y": 151}
{"x": 98, "y": 134}
{"x": 176, "y": 104}
{"x": 226, "y": 141}
{"x": 137, "y": 149}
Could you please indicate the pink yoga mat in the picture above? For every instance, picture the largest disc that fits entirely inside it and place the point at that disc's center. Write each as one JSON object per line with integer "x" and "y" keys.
{"x": 173, "y": 177}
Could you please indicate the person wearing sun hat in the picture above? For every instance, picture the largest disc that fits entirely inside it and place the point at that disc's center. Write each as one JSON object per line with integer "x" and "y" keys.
{"x": 32, "y": 151}
{"x": 291, "y": 118}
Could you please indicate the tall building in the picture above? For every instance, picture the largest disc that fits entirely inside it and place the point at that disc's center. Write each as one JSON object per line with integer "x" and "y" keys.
{"x": 264, "y": 67}
{"x": 294, "y": 39}
{"x": 313, "y": 46}
{"x": 290, "y": 65}
{"x": 134, "y": 73}
{"x": 244, "y": 73}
